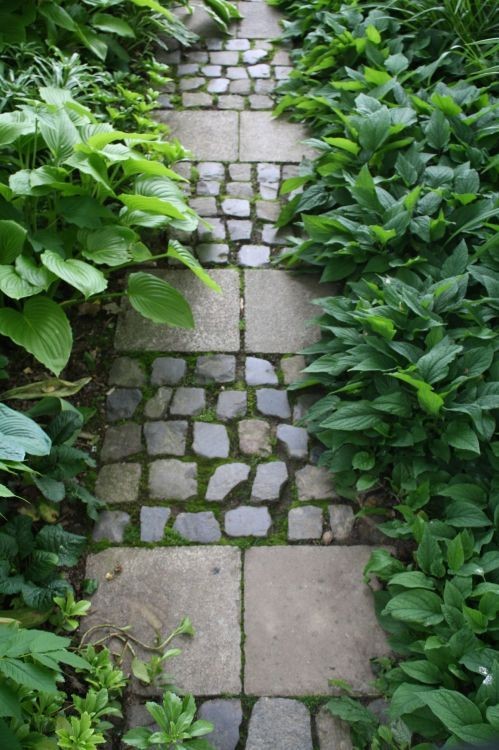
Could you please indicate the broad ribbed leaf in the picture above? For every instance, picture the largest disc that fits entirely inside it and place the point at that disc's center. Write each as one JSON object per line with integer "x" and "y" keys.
{"x": 24, "y": 431}
{"x": 42, "y": 329}
{"x": 12, "y": 236}
{"x": 417, "y": 606}
{"x": 159, "y": 301}
{"x": 84, "y": 277}
{"x": 177, "y": 251}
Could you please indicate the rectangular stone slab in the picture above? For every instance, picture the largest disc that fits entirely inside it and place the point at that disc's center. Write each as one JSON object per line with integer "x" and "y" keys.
{"x": 216, "y": 317}
{"x": 263, "y": 138}
{"x": 308, "y": 618}
{"x": 258, "y": 22}
{"x": 158, "y": 588}
{"x": 279, "y": 310}
{"x": 211, "y": 135}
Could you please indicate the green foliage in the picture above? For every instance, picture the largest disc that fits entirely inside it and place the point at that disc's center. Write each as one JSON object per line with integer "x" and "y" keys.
{"x": 401, "y": 206}
{"x": 177, "y": 726}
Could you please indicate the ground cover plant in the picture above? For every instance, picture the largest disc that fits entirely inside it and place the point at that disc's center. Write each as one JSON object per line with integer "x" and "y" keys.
{"x": 400, "y": 207}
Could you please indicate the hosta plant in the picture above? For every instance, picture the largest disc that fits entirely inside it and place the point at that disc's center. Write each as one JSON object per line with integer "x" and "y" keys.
{"x": 78, "y": 209}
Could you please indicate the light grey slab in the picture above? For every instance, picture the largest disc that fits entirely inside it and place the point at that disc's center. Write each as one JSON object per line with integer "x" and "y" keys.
{"x": 308, "y": 618}
{"x": 211, "y": 135}
{"x": 263, "y": 138}
{"x": 216, "y": 317}
{"x": 259, "y": 21}
{"x": 157, "y": 588}
{"x": 279, "y": 310}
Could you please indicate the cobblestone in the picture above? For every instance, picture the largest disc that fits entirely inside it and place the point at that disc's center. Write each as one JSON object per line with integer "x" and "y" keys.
{"x": 118, "y": 483}
{"x": 260, "y": 372}
{"x": 166, "y": 438}
{"x": 231, "y": 404}
{"x": 225, "y": 479}
{"x": 170, "y": 479}
{"x": 110, "y": 526}
{"x": 188, "y": 402}
{"x": 273, "y": 403}
{"x": 152, "y": 523}
{"x": 254, "y": 437}
{"x": 247, "y": 521}
{"x": 314, "y": 483}
{"x": 121, "y": 442}
{"x": 270, "y": 478}
{"x": 219, "y": 368}
{"x": 210, "y": 440}
{"x": 294, "y": 439}
{"x": 168, "y": 370}
{"x": 122, "y": 403}
{"x": 304, "y": 523}
{"x": 198, "y": 527}
{"x": 126, "y": 372}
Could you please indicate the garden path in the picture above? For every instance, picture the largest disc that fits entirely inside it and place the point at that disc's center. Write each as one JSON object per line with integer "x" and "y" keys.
{"x": 219, "y": 510}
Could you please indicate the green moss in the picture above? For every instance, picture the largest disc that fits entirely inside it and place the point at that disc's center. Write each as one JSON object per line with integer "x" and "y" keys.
{"x": 209, "y": 415}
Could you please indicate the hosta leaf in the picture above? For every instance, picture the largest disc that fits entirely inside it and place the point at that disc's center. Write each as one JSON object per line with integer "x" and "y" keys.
{"x": 453, "y": 709}
{"x": 159, "y": 301}
{"x": 84, "y": 277}
{"x": 417, "y": 606}
{"x": 12, "y": 237}
{"x": 113, "y": 25}
{"x": 24, "y": 431}
{"x": 109, "y": 246}
{"x": 42, "y": 329}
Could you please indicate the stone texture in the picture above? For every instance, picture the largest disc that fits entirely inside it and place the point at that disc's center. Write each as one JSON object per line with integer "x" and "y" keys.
{"x": 294, "y": 439}
{"x": 215, "y": 231}
{"x": 226, "y": 716}
{"x": 122, "y": 403}
{"x": 231, "y": 101}
{"x": 259, "y": 21}
{"x": 286, "y": 300}
{"x": 196, "y": 99}
{"x": 218, "y": 85}
{"x": 213, "y": 253}
{"x": 253, "y": 56}
{"x": 152, "y": 523}
{"x": 265, "y": 139}
{"x": 253, "y": 255}
{"x": 188, "y": 401}
{"x": 260, "y": 372}
{"x": 168, "y": 370}
{"x": 342, "y": 519}
{"x": 292, "y": 368}
{"x": 268, "y": 210}
{"x": 231, "y": 404}
{"x": 259, "y": 71}
{"x": 216, "y": 317}
{"x": 212, "y": 71}
{"x": 269, "y": 481}
{"x": 170, "y": 479}
{"x": 236, "y": 74}
{"x": 314, "y": 483}
{"x": 324, "y": 627}
{"x": 126, "y": 372}
{"x": 236, "y": 207}
{"x": 157, "y": 406}
{"x": 225, "y": 479}
{"x": 273, "y": 403}
{"x": 158, "y": 588}
{"x": 210, "y": 440}
{"x": 333, "y": 733}
{"x": 242, "y": 86}
{"x": 166, "y": 438}
{"x": 247, "y": 521}
{"x": 190, "y": 84}
{"x": 239, "y": 189}
{"x": 304, "y": 523}
{"x": 110, "y": 526}
{"x": 279, "y": 724}
{"x": 240, "y": 171}
{"x": 204, "y": 206}
{"x": 198, "y": 527}
{"x": 260, "y": 101}
{"x": 220, "y": 368}
{"x": 211, "y": 170}
{"x": 237, "y": 44}
{"x": 211, "y": 135}
{"x": 224, "y": 58}
{"x": 239, "y": 229}
{"x": 254, "y": 437}
{"x": 120, "y": 442}
{"x": 208, "y": 188}
{"x": 118, "y": 483}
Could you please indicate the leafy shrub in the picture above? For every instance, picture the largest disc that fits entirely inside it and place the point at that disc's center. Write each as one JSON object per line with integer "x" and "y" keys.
{"x": 72, "y": 214}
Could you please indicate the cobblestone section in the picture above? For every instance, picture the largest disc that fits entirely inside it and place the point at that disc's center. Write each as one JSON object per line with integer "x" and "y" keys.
{"x": 204, "y": 457}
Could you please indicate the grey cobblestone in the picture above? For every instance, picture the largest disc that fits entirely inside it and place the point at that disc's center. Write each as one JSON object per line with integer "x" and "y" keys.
{"x": 253, "y": 256}
{"x": 270, "y": 478}
{"x": 225, "y": 479}
{"x": 259, "y": 372}
{"x": 254, "y": 437}
{"x": 231, "y": 404}
{"x": 122, "y": 403}
{"x": 170, "y": 479}
{"x": 213, "y": 253}
{"x": 121, "y": 442}
{"x": 188, "y": 402}
{"x": 216, "y": 368}
{"x": 247, "y": 521}
{"x": 110, "y": 526}
{"x": 126, "y": 372}
{"x": 168, "y": 370}
{"x": 166, "y": 438}
{"x": 273, "y": 403}
{"x": 152, "y": 523}
{"x": 304, "y": 523}
{"x": 198, "y": 527}
{"x": 210, "y": 440}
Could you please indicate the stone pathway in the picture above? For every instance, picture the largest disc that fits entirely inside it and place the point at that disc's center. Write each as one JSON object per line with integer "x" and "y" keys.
{"x": 218, "y": 508}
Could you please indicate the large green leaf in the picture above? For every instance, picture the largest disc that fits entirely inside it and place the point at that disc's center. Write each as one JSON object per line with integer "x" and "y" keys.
{"x": 42, "y": 329}
{"x": 159, "y": 301}
{"x": 12, "y": 236}
{"x": 453, "y": 709}
{"x": 23, "y": 431}
{"x": 84, "y": 277}
{"x": 417, "y": 606}
{"x": 109, "y": 246}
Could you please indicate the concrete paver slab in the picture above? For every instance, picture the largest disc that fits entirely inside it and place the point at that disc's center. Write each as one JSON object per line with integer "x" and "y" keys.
{"x": 211, "y": 135}
{"x": 259, "y": 21}
{"x": 308, "y": 618}
{"x": 279, "y": 310}
{"x": 157, "y": 588}
{"x": 216, "y": 317}
{"x": 265, "y": 139}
